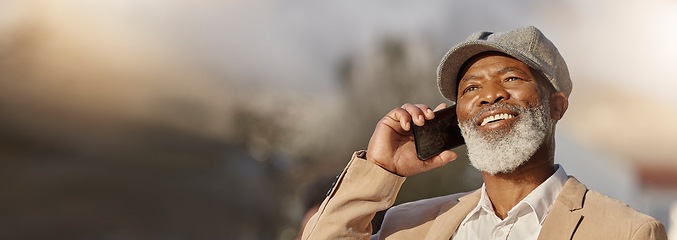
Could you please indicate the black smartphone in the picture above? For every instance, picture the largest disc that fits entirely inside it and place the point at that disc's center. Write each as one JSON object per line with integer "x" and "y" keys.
{"x": 438, "y": 134}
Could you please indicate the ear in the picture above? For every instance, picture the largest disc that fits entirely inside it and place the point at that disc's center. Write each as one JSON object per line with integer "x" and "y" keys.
{"x": 558, "y": 105}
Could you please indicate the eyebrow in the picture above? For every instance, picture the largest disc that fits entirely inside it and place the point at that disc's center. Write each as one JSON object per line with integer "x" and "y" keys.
{"x": 510, "y": 69}
{"x": 501, "y": 71}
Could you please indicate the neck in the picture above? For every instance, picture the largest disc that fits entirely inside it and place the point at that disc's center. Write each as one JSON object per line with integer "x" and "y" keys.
{"x": 505, "y": 190}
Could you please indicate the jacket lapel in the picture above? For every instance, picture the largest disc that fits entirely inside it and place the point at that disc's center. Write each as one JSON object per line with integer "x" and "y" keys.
{"x": 563, "y": 218}
{"x": 451, "y": 215}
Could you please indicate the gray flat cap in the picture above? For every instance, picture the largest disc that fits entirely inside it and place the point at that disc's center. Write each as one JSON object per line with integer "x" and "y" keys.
{"x": 527, "y": 44}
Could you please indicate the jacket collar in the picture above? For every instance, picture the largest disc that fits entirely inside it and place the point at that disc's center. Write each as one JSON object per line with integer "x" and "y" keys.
{"x": 563, "y": 219}
{"x": 451, "y": 215}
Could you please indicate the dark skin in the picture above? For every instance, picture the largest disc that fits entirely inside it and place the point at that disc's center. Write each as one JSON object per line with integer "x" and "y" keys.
{"x": 490, "y": 78}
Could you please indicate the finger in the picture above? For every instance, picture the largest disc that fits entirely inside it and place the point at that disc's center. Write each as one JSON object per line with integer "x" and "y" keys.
{"x": 415, "y": 113}
{"x": 427, "y": 112}
{"x": 441, "y": 106}
{"x": 402, "y": 116}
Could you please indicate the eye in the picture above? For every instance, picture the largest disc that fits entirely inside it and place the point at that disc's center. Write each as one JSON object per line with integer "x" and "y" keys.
{"x": 510, "y": 79}
{"x": 470, "y": 88}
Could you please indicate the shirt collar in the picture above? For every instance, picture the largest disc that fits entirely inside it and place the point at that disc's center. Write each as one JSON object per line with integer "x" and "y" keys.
{"x": 540, "y": 200}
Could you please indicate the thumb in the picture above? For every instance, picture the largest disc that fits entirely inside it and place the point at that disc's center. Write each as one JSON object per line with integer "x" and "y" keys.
{"x": 441, "y": 159}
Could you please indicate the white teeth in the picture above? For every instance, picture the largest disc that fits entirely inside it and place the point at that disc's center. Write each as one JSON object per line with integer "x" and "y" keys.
{"x": 500, "y": 116}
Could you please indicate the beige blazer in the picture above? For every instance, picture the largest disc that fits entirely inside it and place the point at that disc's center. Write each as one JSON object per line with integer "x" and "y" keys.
{"x": 364, "y": 189}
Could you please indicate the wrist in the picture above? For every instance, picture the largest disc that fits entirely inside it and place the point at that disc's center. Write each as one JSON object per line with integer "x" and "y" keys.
{"x": 363, "y": 154}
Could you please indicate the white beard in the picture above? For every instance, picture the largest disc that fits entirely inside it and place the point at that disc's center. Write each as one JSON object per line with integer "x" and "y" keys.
{"x": 503, "y": 150}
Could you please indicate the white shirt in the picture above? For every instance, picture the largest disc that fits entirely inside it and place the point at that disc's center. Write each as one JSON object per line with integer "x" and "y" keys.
{"x": 524, "y": 221}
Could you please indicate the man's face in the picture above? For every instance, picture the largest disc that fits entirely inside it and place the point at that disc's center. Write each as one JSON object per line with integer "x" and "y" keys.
{"x": 492, "y": 79}
{"x": 503, "y": 112}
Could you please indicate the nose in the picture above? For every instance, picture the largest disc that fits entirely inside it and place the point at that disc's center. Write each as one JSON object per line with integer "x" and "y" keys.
{"x": 492, "y": 93}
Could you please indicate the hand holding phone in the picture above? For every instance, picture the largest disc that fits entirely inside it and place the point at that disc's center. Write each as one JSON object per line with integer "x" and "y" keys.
{"x": 392, "y": 147}
{"x": 438, "y": 134}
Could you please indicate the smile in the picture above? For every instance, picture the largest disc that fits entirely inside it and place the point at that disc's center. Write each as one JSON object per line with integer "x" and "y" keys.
{"x": 497, "y": 117}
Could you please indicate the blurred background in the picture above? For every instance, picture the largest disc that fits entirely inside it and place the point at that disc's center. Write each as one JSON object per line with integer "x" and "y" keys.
{"x": 208, "y": 119}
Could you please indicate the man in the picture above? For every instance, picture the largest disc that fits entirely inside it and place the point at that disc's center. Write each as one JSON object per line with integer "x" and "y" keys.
{"x": 510, "y": 88}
